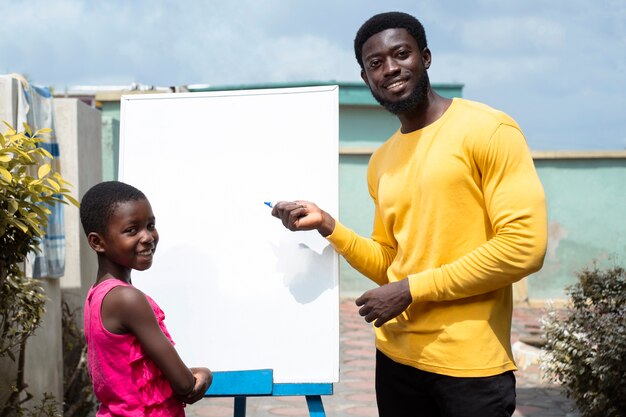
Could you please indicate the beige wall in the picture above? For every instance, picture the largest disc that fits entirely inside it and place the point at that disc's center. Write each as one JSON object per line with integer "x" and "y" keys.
{"x": 79, "y": 133}
{"x": 8, "y": 102}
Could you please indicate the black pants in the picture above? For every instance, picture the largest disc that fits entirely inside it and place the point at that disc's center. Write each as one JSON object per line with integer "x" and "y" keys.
{"x": 403, "y": 391}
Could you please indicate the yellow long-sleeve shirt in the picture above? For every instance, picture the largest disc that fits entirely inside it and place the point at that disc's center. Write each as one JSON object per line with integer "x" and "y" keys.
{"x": 460, "y": 211}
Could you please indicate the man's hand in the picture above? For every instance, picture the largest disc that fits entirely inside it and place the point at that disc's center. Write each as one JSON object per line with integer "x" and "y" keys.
{"x": 385, "y": 302}
{"x": 303, "y": 215}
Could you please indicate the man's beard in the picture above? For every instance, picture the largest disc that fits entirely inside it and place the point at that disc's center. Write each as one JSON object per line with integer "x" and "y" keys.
{"x": 414, "y": 100}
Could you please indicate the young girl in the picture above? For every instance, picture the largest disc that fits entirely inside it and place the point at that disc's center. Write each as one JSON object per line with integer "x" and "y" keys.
{"x": 133, "y": 365}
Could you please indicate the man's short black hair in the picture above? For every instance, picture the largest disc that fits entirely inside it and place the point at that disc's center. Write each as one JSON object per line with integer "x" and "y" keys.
{"x": 100, "y": 201}
{"x": 384, "y": 21}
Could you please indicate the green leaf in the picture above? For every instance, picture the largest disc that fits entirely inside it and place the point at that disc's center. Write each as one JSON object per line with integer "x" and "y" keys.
{"x": 13, "y": 206}
{"x": 46, "y": 153}
{"x": 6, "y": 175}
{"x": 72, "y": 200}
{"x": 54, "y": 184}
{"x": 24, "y": 155}
{"x": 44, "y": 170}
{"x": 9, "y": 126}
{"x": 6, "y": 157}
{"x": 21, "y": 225}
{"x": 60, "y": 179}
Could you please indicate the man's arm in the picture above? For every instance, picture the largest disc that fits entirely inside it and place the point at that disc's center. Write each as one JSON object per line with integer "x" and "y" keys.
{"x": 371, "y": 257}
{"x": 515, "y": 204}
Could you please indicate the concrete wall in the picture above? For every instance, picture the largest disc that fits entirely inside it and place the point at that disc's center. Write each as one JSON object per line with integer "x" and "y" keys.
{"x": 44, "y": 350}
{"x": 79, "y": 133}
{"x": 586, "y": 196}
{"x": 110, "y": 147}
{"x": 8, "y": 102}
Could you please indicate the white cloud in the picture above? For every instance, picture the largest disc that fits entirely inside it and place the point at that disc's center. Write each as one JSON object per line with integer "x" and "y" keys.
{"x": 486, "y": 69}
{"x": 512, "y": 33}
{"x": 304, "y": 58}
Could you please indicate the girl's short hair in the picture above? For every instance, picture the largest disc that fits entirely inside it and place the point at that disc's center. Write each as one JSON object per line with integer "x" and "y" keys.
{"x": 100, "y": 201}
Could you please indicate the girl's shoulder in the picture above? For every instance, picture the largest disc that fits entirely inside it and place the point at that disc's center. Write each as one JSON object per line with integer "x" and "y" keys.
{"x": 126, "y": 296}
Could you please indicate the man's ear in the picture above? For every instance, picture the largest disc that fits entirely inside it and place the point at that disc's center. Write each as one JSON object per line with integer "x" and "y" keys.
{"x": 96, "y": 242}
{"x": 426, "y": 57}
{"x": 364, "y": 77}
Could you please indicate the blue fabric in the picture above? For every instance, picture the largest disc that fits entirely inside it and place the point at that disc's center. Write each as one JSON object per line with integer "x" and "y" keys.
{"x": 42, "y": 91}
{"x": 53, "y": 148}
{"x": 49, "y": 262}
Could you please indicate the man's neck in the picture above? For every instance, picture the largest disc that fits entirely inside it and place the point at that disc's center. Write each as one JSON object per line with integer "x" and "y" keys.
{"x": 430, "y": 111}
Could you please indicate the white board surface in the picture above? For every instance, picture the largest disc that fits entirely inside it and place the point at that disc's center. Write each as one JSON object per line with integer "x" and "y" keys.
{"x": 238, "y": 289}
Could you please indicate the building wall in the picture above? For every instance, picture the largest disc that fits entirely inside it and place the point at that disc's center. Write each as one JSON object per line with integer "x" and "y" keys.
{"x": 110, "y": 139}
{"x": 586, "y": 200}
{"x": 8, "y": 102}
{"x": 79, "y": 130}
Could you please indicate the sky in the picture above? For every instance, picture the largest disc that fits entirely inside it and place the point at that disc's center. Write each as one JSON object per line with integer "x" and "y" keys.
{"x": 558, "y": 67}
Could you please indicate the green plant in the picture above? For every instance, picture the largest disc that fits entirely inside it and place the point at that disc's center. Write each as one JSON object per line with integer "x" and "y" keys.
{"x": 586, "y": 348}
{"x": 78, "y": 397}
{"x": 47, "y": 407}
{"x": 28, "y": 186}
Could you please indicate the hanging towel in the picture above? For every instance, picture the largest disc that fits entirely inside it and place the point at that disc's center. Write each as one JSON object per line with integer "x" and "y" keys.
{"x": 35, "y": 108}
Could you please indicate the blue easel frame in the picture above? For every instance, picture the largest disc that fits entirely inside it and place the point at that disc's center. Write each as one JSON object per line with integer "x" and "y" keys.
{"x": 260, "y": 383}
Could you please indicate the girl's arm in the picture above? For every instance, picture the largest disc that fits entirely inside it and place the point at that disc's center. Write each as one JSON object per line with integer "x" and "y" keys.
{"x": 129, "y": 311}
{"x": 203, "y": 378}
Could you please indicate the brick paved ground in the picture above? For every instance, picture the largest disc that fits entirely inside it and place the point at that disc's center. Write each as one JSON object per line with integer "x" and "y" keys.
{"x": 354, "y": 394}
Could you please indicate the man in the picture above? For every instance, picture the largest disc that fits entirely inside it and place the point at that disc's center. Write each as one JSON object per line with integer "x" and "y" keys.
{"x": 459, "y": 217}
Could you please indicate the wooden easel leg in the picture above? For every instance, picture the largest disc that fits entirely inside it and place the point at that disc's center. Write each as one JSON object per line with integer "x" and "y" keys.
{"x": 316, "y": 408}
{"x": 240, "y": 407}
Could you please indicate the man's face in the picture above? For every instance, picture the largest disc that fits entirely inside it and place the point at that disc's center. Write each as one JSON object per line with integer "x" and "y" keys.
{"x": 395, "y": 70}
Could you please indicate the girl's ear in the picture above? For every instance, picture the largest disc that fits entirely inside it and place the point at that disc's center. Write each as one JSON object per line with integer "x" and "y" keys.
{"x": 96, "y": 242}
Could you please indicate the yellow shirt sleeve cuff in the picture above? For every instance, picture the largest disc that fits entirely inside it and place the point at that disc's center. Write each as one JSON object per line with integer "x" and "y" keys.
{"x": 420, "y": 286}
{"x": 340, "y": 237}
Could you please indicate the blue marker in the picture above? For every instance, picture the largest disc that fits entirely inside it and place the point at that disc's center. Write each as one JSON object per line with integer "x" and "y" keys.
{"x": 270, "y": 204}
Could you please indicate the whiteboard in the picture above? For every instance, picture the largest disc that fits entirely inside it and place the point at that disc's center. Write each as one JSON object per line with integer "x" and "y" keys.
{"x": 239, "y": 290}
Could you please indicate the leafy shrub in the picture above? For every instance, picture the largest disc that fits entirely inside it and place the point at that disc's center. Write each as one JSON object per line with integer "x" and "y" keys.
{"x": 586, "y": 348}
{"x": 28, "y": 186}
{"x": 78, "y": 397}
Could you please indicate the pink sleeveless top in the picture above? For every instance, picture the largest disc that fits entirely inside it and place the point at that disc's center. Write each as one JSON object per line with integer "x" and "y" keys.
{"x": 125, "y": 380}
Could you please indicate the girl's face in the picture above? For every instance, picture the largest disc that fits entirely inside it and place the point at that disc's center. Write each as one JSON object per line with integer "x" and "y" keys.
{"x": 131, "y": 237}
